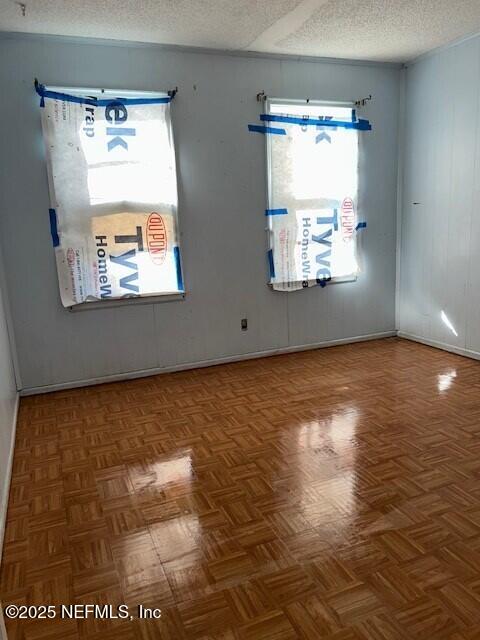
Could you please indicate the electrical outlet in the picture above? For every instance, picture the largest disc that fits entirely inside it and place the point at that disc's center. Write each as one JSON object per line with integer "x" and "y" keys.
{"x": 244, "y": 324}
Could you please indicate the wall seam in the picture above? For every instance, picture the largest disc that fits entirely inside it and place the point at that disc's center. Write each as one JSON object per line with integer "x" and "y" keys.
{"x": 400, "y": 190}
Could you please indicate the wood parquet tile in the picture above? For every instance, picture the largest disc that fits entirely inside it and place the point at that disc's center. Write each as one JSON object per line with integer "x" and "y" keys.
{"x": 327, "y": 494}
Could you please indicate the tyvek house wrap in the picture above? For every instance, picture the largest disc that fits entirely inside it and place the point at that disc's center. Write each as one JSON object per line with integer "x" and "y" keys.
{"x": 113, "y": 192}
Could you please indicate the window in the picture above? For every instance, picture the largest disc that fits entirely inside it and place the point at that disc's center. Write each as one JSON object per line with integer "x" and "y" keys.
{"x": 312, "y": 160}
{"x": 113, "y": 192}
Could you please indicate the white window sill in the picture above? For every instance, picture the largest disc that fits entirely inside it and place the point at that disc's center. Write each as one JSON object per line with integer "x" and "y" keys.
{"x": 122, "y": 302}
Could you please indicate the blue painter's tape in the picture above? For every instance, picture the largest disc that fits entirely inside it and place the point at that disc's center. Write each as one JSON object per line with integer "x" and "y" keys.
{"x": 258, "y": 128}
{"x": 271, "y": 266}
{"x": 53, "y": 227}
{"x": 65, "y": 97}
{"x": 178, "y": 266}
{"x": 361, "y": 225}
{"x": 276, "y": 212}
{"x": 360, "y": 125}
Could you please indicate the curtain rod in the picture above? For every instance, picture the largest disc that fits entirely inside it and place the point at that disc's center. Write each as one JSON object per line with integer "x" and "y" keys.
{"x": 131, "y": 92}
{"x": 262, "y": 96}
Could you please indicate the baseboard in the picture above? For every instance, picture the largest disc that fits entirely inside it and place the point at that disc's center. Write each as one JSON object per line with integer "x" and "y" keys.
{"x": 6, "y": 489}
{"x": 467, "y": 353}
{"x": 143, "y": 373}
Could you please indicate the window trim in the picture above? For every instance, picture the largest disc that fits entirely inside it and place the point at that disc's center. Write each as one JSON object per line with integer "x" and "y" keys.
{"x": 121, "y": 302}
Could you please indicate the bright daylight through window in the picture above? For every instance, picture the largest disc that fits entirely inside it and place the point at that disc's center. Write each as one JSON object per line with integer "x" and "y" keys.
{"x": 312, "y": 191}
{"x": 113, "y": 192}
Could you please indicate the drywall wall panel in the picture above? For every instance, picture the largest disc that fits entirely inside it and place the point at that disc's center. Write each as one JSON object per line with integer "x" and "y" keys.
{"x": 349, "y": 309}
{"x": 472, "y": 324}
{"x": 8, "y": 407}
{"x": 438, "y": 286}
{"x": 222, "y": 197}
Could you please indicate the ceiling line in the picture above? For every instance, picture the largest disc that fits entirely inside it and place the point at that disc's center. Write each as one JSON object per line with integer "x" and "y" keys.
{"x": 242, "y": 53}
{"x": 286, "y": 25}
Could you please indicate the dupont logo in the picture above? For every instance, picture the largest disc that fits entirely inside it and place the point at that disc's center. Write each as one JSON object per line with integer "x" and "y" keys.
{"x": 348, "y": 218}
{"x": 157, "y": 240}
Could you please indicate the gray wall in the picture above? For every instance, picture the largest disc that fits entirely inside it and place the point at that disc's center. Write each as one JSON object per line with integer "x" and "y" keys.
{"x": 221, "y": 204}
{"x": 440, "y": 237}
{"x": 8, "y": 403}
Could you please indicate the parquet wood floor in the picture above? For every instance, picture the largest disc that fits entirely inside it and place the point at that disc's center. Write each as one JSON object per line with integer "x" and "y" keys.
{"x": 327, "y": 494}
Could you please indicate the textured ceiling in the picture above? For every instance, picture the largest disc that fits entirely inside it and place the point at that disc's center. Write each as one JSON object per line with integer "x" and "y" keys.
{"x": 387, "y": 30}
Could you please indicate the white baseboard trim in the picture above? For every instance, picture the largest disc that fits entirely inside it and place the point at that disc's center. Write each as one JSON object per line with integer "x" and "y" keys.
{"x": 467, "y": 353}
{"x": 6, "y": 488}
{"x": 143, "y": 373}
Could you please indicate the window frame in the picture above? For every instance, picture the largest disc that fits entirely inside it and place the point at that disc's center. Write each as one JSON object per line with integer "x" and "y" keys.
{"x": 140, "y": 299}
{"x": 268, "y": 101}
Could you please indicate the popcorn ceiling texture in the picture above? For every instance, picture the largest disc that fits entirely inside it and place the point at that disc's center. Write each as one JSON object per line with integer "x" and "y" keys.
{"x": 394, "y": 30}
{"x": 384, "y": 30}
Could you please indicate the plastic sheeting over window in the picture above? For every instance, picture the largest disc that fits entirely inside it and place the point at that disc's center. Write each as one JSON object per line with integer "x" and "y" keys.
{"x": 312, "y": 156}
{"x": 113, "y": 192}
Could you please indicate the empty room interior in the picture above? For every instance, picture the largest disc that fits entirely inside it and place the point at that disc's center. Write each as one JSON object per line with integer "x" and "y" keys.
{"x": 240, "y": 320}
